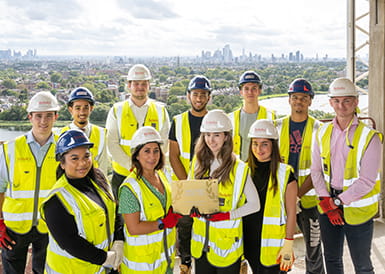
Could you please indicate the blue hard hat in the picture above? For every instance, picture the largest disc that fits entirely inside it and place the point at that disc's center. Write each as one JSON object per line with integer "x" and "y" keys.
{"x": 199, "y": 82}
{"x": 302, "y": 86}
{"x": 81, "y": 93}
{"x": 249, "y": 77}
{"x": 71, "y": 139}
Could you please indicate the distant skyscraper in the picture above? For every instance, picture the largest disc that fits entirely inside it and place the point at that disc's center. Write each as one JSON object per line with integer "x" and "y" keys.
{"x": 227, "y": 54}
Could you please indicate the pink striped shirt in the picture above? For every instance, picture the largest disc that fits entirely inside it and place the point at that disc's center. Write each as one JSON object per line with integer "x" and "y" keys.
{"x": 338, "y": 153}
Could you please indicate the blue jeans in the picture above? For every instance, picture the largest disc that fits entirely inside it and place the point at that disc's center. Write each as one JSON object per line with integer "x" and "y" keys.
{"x": 359, "y": 238}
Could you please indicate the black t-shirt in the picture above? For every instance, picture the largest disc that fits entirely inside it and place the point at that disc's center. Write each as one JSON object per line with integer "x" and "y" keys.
{"x": 295, "y": 133}
{"x": 195, "y": 131}
{"x": 252, "y": 224}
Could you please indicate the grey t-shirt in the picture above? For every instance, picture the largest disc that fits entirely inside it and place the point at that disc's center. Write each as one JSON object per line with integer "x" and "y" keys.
{"x": 246, "y": 120}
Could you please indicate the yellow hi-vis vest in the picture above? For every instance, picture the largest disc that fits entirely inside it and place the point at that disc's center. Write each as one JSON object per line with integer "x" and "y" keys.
{"x": 364, "y": 209}
{"x": 93, "y": 224}
{"x": 263, "y": 113}
{"x": 304, "y": 162}
{"x": 127, "y": 125}
{"x": 183, "y": 137}
{"x": 98, "y": 136}
{"x": 222, "y": 241}
{"x": 28, "y": 185}
{"x": 153, "y": 252}
{"x": 274, "y": 217}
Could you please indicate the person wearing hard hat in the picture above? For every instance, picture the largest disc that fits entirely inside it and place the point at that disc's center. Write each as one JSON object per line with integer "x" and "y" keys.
{"x": 86, "y": 233}
{"x": 124, "y": 118}
{"x": 217, "y": 239}
{"x": 145, "y": 203}
{"x": 345, "y": 171}
{"x": 268, "y": 234}
{"x": 81, "y": 104}
{"x": 184, "y": 131}
{"x": 250, "y": 87}
{"x": 296, "y": 137}
{"x": 27, "y": 173}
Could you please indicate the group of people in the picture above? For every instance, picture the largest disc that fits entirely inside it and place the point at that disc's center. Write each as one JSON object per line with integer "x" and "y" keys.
{"x": 273, "y": 174}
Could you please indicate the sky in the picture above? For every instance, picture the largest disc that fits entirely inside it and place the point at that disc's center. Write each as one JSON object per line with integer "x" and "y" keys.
{"x": 174, "y": 27}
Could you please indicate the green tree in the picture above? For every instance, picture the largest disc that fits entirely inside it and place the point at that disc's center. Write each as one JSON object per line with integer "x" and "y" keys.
{"x": 56, "y": 77}
{"x": 43, "y": 85}
{"x": 100, "y": 112}
{"x": 9, "y": 83}
{"x": 15, "y": 113}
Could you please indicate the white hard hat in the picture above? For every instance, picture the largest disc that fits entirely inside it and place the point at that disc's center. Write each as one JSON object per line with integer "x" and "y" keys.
{"x": 263, "y": 128}
{"x": 43, "y": 101}
{"x": 138, "y": 72}
{"x": 216, "y": 121}
{"x": 145, "y": 135}
{"x": 342, "y": 87}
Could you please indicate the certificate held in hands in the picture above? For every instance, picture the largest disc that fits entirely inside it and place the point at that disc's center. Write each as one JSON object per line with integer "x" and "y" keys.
{"x": 201, "y": 194}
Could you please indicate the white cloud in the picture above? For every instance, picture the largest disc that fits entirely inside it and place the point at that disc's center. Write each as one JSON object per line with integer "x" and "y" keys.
{"x": 173, "y": 27}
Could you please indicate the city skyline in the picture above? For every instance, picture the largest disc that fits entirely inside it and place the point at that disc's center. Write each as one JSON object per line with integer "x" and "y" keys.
{"x": 174, "y": 28}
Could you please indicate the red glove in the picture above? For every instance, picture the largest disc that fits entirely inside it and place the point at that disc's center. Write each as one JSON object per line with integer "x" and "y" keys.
{"x": 171, "y": 219}
{"x": 221, "y": 216}
{"x": 5, "y": 240}
{"x": 335, "y": 216}
{"x": 194, "y": 212}
{"x": 327, "y": 204}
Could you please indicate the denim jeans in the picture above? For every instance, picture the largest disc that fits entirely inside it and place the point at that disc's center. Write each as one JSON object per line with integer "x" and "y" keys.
{"x": 359, "y": 239}
{"x": 308, "y": 223}
{"x": 14, "y": 260}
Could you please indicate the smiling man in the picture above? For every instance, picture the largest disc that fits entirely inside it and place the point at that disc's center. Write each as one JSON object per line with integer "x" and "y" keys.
{"x": 296, "y": 138}
{"x": 185, "y": 130}
{"x": 124, "y": 118}
{"x": 250, "y": 87}
{"x": 27, "y": 173}
{"x": 345, "y": 171}
{"x": 81, "y": 104}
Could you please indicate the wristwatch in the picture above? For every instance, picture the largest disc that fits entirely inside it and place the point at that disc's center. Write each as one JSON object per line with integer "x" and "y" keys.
{"x": 160, "y": 224}
{"x": 337, "y": 201}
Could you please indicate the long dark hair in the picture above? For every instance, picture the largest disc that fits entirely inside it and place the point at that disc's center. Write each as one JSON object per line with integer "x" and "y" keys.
{"x": 205, "y": 157}
{"x": 138, "y": 166}
{"x": 274, "y": 163}
{"x": 94, "y": 174}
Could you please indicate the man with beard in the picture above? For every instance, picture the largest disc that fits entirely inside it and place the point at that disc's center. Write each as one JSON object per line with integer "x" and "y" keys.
{"x": 124, "y": 118}
{"x": 185, "y": 130}
{"x": 296, "y": 138}
{"x": 81, "y": 104}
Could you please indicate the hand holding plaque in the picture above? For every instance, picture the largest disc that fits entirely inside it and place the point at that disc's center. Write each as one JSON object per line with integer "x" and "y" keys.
{"x": 199, "y": 194}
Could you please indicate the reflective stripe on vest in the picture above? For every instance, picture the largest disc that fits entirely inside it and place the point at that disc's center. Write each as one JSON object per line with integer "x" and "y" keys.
{"x": 274, "y": 217}
{"x": 304, "y": 161}
{"x": 127, "y": 125}
{"x": 364, "y": 209}
{"x": 235, "y": 117}
{"x": 152, "y": 252}
{"x": 92, "y": 223}
{"x": 225, "y": 238}
{"x": 28, "y": 185}
{"x": 98, "y": 137}
{"x": 183, "y": 137}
